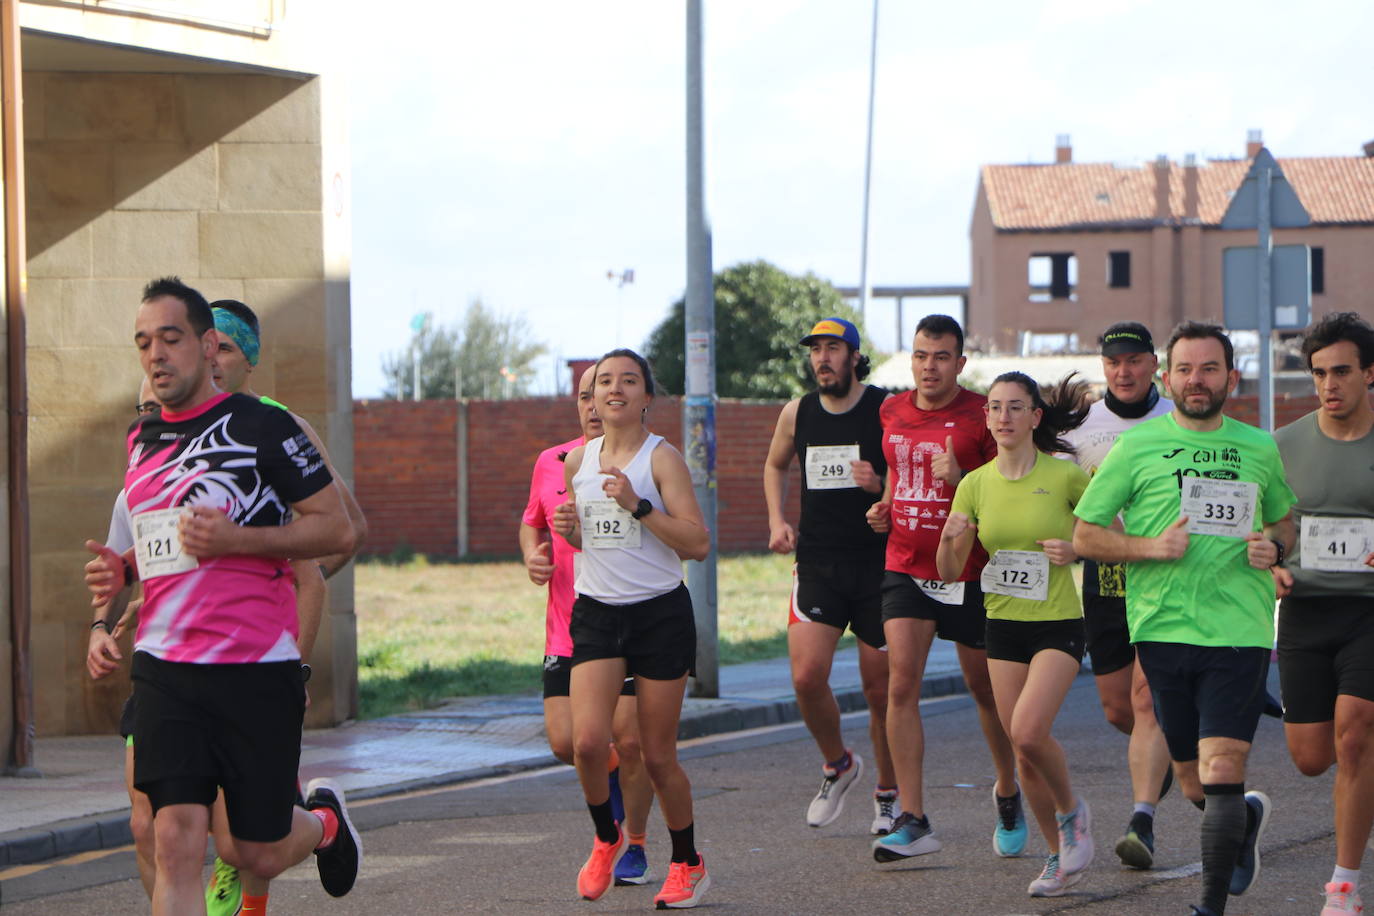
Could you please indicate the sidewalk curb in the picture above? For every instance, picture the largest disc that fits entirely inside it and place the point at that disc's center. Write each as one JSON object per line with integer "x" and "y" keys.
{"x": 111, "y": 830}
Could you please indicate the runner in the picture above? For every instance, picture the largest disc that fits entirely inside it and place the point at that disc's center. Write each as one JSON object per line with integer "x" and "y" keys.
{"x": 236, "y": 357}
{"x": 836, "y": 436}
{"x": 1326, "y": 628}
{"x": 1205, "y": 516}
{"x": 214, "y": 591}
{"x": 1129, "y": 364}
{"x": 633, "y": 615}
{"x": 1019, "y": 508}
{"x": 930, "y": 437}
{"x": 549, "y": 561}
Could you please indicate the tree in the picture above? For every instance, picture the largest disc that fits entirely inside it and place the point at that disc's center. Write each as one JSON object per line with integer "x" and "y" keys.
{"x": 489, "y": 356}
{"x": 761, "y": 314}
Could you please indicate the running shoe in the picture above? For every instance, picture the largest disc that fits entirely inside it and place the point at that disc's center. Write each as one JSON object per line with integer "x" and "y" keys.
{"x": 685, "y": 885}
{"x": 1137, "y": 848}
{"x": 224, "y": 893}
{"x": 829, "y": 801}
{"x": 1075, "y": 839}
{"x": 1200, "y": 911}
{"x": 597, "y": 873}
{"x": 909, "y": 837}
{"x": 1341, "y": 899}
{"x": 886, "y": 807}
{"x": 338, "y": 863}
{"x": 1052, "y": 881}
{"x": 1009, "y": 836}
{"x": 1248, "y": 861}
{"x": 633, "y": 867}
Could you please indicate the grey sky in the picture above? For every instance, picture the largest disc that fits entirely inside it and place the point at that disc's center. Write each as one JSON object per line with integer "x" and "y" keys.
{"x": 517, "y": 151}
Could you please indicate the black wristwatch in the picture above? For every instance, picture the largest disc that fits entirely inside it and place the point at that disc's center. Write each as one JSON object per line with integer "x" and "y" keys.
{"x": 305, "y": 673}
{"x": 1278, "y": 545}
{"x": 643, "y": 509}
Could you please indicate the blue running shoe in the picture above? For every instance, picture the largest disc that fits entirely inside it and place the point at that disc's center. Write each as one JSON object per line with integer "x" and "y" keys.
{"x": 909, "y": 837}
{"x": 633, "y": 867}
{"x": 1009, "y": 837}
{"x": 1248, "y": 861}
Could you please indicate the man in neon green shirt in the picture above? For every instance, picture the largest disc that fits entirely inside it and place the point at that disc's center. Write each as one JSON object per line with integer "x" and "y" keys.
{"x": 1205, "y": 510}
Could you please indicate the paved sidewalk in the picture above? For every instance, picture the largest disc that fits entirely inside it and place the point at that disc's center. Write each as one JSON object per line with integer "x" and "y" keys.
{"x": 80, "y": 803}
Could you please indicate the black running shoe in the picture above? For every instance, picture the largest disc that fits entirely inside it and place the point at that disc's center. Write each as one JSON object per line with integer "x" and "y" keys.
{"x": 1137, "y": 848}
{"x": 1248, "y": 861}
{"x": 338, "y": 862}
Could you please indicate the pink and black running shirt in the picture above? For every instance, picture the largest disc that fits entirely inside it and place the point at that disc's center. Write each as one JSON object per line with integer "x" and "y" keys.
{"x": 252, "y": 461}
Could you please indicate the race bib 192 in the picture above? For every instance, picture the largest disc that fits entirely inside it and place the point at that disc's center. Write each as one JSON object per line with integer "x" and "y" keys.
{"x": 157, "y": 544}
{"x": 606, "y": 524}
{"x": 1221, "y": 507}
{"x": 1336, "y": 544}
{"x": 828, "y": 468}
{"x": 1018, "y": 574}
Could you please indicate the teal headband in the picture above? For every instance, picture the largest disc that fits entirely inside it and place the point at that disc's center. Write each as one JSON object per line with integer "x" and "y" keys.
{"x": 226, "y": 322}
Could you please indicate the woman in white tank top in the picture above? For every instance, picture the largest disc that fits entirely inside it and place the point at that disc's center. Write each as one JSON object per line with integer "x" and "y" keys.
{"x": 633, "y": 512}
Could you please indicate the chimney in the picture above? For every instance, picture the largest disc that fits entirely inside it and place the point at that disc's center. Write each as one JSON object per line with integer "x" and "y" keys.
{"x": 579, "y": 366}
{"x": 1162, "y": 167}
{"x": 1063, "y": 150}
{"x": 1254, "y": 142}
{"x": 1369, "y": 149}
{"x": 1190, "y": 194}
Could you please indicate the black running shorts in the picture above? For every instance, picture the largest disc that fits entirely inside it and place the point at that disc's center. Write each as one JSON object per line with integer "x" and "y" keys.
{"x": 657, "y": 638}
{"x": 964, "y": 623}
{"x": 558, "y": 678}
{"x": 1020, "y": 640}
{"x": 1109, "y": 639}
{"x": 1326, "y": 648}
{"x": 201, "y": 727}
{"x": 846, "y": 593}
{"x": 1205, "y": 692}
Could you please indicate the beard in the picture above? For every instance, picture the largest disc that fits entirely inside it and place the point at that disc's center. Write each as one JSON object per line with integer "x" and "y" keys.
{"x": 1215, "y": 401}
{"x": 837, "y": 387}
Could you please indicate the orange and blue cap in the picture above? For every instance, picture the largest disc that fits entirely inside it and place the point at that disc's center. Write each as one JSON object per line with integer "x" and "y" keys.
{"x": 833, "y": 327}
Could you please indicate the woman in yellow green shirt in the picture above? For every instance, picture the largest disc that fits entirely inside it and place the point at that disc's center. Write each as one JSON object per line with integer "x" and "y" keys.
{"x": 1020, "y": 508}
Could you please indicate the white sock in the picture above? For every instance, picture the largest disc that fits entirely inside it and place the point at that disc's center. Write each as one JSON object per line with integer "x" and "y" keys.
{"x": 1145, "y": 808}
{"x": 1343, "y": 875}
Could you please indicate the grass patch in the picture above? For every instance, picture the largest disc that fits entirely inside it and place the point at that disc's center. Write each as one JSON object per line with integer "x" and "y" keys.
{"x": 430, "y": 631}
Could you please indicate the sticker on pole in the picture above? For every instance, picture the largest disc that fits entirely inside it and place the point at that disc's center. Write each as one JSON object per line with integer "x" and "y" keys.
{"x": 698, "y": 362}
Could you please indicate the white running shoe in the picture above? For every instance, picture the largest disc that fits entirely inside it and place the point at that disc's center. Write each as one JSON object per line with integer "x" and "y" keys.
{"x": 829, "y": 801}
{"x": 1052, "y": 881}
{"x": 1075, "y": 839}
{"x": 1341, "y": 899}
{"x": 886, "y": 807}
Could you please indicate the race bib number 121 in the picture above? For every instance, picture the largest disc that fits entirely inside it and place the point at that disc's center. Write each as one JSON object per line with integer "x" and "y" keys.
{"x": 157, "y": 544}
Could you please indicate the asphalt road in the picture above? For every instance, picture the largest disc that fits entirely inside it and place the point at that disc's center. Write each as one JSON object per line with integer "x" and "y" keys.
{"x": 514, "y": 845}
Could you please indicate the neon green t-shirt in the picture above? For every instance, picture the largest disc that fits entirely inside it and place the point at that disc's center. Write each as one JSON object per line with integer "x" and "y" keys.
{"x": 1013, "y": 515}
{"x": 1211, "y": 596}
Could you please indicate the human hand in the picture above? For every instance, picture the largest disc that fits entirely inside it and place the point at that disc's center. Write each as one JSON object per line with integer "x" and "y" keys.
{"x": 782, "y": 537}
{"x": 879, "y": 516}
{"x": 1172, "y": 542}
{"x": 104, "y": 573}
{"x": 1060, "y": 552}
{"x": 102, "y": 654}
{"x": 207, "y": 532}
{"x": 945, "y": 466}
{"x": 1260, "y": 550}
{"x": 617, "y": 487}
{"x": 956, "y": 525}
{"x": 865, "y": 477}
{"x": 538, "y": 564}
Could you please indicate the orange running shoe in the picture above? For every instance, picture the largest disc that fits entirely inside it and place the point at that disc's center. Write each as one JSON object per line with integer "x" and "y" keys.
{"x": 685, "y": 885}
{"x": 599, "y": 871}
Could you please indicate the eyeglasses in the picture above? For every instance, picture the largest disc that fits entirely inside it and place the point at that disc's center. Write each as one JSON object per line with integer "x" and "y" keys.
{"x": 147, "y": 407}
{"x": 1014, "y": 410}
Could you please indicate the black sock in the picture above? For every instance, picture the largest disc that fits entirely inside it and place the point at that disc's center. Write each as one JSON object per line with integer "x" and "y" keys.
{"x": 606, "y": 829}
{"x": 1223, "y": 831}
{"x": 685, "y": 845}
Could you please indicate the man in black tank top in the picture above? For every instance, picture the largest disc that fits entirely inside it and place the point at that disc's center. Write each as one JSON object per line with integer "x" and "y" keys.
{"x": 836, "y": 436}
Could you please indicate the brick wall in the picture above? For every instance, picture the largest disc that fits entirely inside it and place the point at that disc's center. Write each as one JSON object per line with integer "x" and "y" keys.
{"x": 407, "y": 466}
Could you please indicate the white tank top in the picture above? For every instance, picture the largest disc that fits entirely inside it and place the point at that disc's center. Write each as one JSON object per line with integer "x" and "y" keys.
{"x": 622, "y": 561}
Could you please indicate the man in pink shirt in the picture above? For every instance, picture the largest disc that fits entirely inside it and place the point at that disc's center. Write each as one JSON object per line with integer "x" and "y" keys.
{"x": 549, "y": 560}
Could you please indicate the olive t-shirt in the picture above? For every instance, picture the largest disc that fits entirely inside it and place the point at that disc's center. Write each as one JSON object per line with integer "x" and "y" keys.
{"x": 1014, "y": 515}
{"x": 1211, "y": 596}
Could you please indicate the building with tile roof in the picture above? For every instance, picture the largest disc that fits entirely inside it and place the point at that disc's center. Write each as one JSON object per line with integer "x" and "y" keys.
{"x": 1060, "y": 251}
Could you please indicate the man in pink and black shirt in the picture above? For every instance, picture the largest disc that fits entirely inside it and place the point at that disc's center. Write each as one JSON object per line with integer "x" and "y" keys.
{"x": 222, "y": 489}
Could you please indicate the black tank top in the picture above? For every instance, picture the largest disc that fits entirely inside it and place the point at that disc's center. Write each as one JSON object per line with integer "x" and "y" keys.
{"x": 832, "y": 520}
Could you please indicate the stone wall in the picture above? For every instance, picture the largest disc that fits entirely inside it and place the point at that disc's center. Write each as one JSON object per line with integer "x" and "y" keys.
{"x": 130, "y": 176}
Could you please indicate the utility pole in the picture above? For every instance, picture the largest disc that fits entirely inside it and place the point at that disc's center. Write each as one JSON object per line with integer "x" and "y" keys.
{"x": 868, "y": 170}
{"x": 699, "y": 410}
